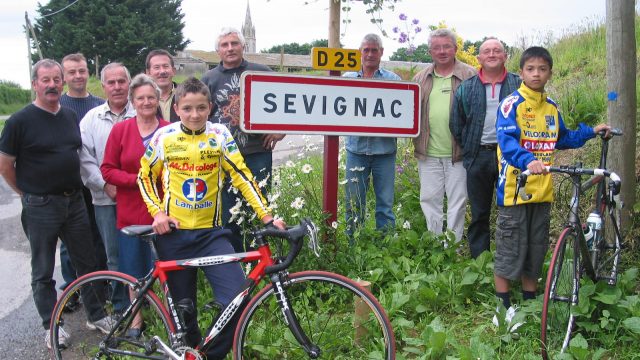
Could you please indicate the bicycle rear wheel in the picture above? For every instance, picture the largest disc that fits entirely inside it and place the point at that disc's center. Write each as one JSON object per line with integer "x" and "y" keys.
{"x": 86, "y": 341}
{"x": 560, "y": 295}
{"x": 343, "y": 319}
{"x": 607, "y": 258}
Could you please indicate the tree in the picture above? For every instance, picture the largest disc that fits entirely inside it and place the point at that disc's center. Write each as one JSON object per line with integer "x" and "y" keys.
{"x": 297, "y": 49}
{"x": 420, "y": 54}
{"x": 110, "y": 30}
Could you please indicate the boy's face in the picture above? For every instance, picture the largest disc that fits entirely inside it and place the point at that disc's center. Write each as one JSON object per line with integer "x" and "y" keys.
{"x": 193, "y": 110}
{"x": 535, "y": 73}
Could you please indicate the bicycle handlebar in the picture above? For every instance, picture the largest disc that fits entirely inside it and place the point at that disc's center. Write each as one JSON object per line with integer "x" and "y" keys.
{"x": 294, "y": 235}
{"x": 521, "y": 180}
{"x": 612, "y": 132}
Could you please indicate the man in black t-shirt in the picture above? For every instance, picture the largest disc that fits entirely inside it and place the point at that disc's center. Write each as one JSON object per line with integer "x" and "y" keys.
{"x": 39, "y": 159}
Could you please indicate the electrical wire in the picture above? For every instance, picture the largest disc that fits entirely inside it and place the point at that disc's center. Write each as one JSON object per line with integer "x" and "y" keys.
{"x": 61, "y": 10}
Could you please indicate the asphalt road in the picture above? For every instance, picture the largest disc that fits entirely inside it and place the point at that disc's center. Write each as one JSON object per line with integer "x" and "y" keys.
{"x": 21, "y": 332}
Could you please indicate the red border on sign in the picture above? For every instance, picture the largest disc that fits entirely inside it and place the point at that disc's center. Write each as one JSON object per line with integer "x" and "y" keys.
{"x": 329, "y": 129}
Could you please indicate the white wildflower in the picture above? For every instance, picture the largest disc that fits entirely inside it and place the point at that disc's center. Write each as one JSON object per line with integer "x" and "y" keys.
{"x": 298, "y": 203}
{"x": 306, "y": 168}
{"x": 406, "y": 225}
{"x": 342, "y": 182}
{"x": 289, "y": 164}
{"x": 334, "y": 224}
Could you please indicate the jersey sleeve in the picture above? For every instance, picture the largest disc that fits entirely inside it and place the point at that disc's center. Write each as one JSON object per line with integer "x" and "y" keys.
{"x": 151, "y": 165}
{"x": 508, "y": 134}
{"x": 241, "y": 177}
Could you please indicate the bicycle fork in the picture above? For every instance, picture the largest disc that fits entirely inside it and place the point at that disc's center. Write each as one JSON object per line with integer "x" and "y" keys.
{"x": 290, "y": 318}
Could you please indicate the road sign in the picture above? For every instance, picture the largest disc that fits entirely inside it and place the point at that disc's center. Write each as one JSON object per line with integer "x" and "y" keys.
{"x": 336, "y": 59}
{"x": 279, "y": 103}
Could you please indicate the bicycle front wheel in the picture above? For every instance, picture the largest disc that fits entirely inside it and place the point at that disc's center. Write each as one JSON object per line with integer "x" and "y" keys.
{"x": 104, "y": 296}
{"x": 560, "y": 295}
{"x": 343, "y": 319}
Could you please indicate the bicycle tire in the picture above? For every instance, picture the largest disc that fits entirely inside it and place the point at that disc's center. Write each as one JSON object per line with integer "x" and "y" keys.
{"x": 607, "y": 259}
{"x": 325, "y": 305}
{"x": 84, "y": 342}
{"x": 560, "y": 293}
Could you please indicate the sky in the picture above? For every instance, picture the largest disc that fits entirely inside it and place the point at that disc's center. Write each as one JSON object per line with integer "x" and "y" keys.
{"x": 285, "y": 21}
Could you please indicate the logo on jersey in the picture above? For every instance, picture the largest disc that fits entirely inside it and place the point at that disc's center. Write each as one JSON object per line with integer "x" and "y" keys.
{"x": 149, "y": 152}
{"x": 551, "y": 122}
{"x": 507, "y": 104}
{"x": 194, "y": 189}
{"x": 232, "y": 147}
{"x": 213, "y": 143}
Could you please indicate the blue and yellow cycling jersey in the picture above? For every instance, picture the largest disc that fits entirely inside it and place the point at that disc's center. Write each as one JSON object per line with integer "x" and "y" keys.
{"x": 529, "y": 127}
{"x": 193, "y": 165}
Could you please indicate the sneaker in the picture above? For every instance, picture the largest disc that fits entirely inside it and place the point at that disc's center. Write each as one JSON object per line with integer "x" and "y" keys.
{"x": 63, "y": 338}
{"x": 105, "y": 324}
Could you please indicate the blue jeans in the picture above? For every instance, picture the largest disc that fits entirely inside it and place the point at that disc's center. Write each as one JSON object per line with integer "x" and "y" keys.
{"x": 135, "y": 257}
{"x": 226, "y": 280}
{"x": 482, "y": 175}
{"x": 106, "y": 221}
{"x": 381, "y": 169}
{"x": 66, "y": 268}
{"x": 45, "y": 218}
{"x": 260, "y": 165}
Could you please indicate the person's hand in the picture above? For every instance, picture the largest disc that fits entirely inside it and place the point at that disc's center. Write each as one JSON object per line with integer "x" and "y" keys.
{"x": 110, "y": 190}
{"x": 161, "y": 223}
{"x": 269, "y": 141}
{"x": 279, "y": 223}
{"x": 537, "y": 167}
{"x": 601, "y": 127}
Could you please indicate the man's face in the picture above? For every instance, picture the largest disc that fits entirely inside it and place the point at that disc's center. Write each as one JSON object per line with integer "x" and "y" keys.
{"x": 535, "y": 73}
{"x": 161, "y": 71}
{"x": 76, "y": 75}
{"x": 116, "y": 86}
{"x": 371, "y": 55}
{"x": 230, "y": 50}
{"x": 193, "y": 110}
{"x": 442, "y": 50}
{"x": 48, "y": 85}
{"x": 492, "y": 55}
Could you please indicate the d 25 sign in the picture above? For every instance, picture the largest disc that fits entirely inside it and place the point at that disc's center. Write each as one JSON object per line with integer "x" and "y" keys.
{"x": 336, "y": 59}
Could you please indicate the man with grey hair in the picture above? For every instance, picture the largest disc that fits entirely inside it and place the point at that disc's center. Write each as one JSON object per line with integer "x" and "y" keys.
{"x": 473, "y": 118}
{"x": 438, "y": 153}
{"x": 224, "y": 84}
{"x": 39, "y": 160}
{"x": 95, "y": 127}
{"x": 369, "y": 156}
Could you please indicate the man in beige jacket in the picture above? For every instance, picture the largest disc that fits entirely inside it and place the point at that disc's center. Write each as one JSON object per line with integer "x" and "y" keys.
{"x": 439, "y": 156}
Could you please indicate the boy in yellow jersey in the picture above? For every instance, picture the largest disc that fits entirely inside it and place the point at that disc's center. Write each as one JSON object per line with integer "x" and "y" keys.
{"x": 193, "y": 157}
{"x": 528, "y": 127}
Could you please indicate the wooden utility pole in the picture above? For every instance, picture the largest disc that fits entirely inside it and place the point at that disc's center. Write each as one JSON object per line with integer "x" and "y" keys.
{"x": 621, "y": 89}
{"x": 331, "y": 143}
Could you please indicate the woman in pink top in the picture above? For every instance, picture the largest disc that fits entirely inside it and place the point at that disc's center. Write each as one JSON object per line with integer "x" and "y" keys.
{"x": 125, "y": 146}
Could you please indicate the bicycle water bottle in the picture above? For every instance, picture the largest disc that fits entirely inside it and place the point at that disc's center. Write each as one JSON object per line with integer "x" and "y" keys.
{"x": 588, "y": 235}
{"x": 594, "y": 223}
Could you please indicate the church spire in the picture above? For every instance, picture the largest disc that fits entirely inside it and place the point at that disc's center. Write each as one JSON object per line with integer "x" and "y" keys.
{"x": 249, "y": 32}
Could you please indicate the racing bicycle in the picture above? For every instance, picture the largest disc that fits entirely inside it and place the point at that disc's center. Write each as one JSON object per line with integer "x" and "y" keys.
{"x": 302, "y": 315}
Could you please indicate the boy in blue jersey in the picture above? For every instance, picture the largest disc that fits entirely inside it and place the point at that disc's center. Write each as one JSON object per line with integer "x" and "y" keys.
{"x": 528, "y": 127}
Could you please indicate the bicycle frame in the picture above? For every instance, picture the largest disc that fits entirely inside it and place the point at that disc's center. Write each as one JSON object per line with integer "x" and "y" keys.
{"x": 265, "y": 266}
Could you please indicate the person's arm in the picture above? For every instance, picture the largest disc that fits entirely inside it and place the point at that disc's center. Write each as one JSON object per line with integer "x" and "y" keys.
{"x": 571, "y": 139}
{"x": 508, "y": 134}
{"x": 457, "y": 119}
{"x": 111, "y": 167}
{"x": 89, "y": 166}
{"x": 269, "y": 141}
{"x": 8, "y": 171}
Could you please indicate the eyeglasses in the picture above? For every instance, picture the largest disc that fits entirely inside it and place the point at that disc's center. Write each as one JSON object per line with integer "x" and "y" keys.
{"x": 492, "y": 51}
{"x": 441, "y": 48}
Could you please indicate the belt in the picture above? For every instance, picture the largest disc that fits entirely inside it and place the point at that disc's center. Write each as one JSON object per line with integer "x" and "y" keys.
{"x": 69, "y": 192}
{"x": 491, "y": 147}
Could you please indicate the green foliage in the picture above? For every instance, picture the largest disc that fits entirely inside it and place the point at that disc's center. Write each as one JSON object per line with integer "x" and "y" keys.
{"x": 420, "y": 54}
{"x": 12, "y": 97}
{"x": 112, "y": 30}
{"x": 297, "y": 49}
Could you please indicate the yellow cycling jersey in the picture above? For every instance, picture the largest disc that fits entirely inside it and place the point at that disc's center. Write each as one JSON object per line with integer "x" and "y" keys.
{"x": 529, "y": 127}
{"x": 193, "y": 166}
